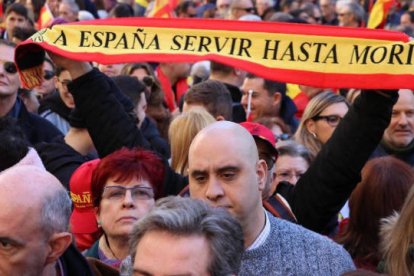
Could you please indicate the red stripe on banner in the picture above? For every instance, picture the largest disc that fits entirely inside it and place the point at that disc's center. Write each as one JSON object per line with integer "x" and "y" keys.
{"x": 251, "y": 26}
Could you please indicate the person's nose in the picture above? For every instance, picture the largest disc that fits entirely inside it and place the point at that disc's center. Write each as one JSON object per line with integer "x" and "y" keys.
{"x": 403, "y": 119}
{"x": 128, "y": 201}
{"x": 214, "y": 190}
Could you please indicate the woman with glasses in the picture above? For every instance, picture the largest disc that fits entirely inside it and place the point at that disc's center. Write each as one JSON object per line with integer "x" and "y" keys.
{"x": 125, "y": 186}
{"x": 320, "y": 118}
{"x": 293, "y": 161}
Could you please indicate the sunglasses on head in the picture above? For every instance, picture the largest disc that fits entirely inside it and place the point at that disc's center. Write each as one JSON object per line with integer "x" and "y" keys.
{"x": 48, "y": 75}
{"x": 10, "y": 67}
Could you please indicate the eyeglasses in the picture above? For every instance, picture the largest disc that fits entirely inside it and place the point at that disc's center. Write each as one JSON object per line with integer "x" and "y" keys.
{"x": 117, "y": 193}
{"x": 10, "y": 67}
{"x": 288, "y": 175}
{"x": 48, "y": 75}
{"x": 65, "y": 82}
{"x": 332, "y": 120}
{"x": 270, "y": 160}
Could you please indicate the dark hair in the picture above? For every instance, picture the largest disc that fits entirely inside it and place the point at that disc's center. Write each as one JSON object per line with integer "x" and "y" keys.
{"x": 220, "y": 67}
{"x": 382, "y": 190}
{"x": 131, "y": 87}
{"x": 184, "y": 6}
{"x": 18, "y": 9}
{"x": 214, "y": 96}
{"x": 23, "y": 33}
{"x": 122, "y": 10}
{"x": 52, "y": 64}
{"x": 271, "y": 86}
{"x": 125, "y": 164}
{"x": 14, "y": 145}
{"x": 411, "y": 14}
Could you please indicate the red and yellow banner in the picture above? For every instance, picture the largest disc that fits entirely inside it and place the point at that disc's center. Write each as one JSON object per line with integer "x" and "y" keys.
{"x": 163, "y": 8}
{"x": 319, "y": 56}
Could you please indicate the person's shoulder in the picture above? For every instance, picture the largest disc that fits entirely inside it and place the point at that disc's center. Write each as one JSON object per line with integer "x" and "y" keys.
{"x": 296, "y": 236}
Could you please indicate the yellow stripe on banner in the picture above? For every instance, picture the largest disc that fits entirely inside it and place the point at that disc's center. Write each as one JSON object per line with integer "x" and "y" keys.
{"x": 272, "y": 50}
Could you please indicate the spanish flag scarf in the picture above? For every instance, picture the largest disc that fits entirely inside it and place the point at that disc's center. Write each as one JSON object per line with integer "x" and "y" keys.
{"x": 314, "y": 55}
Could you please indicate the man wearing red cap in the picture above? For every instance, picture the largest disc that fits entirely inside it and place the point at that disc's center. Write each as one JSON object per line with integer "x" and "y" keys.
{"x": 265, "y": 142}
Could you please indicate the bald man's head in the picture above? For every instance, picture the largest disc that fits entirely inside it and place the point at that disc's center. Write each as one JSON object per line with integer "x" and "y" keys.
{"x": 225, "y": 170}
{"x": 229, "y": 134}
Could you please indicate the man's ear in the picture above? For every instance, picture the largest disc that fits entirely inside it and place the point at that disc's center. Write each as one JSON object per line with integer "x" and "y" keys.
{"x": 277, "y": 98}
{"x": 261, "y": 171}
{"x": 220, "y": 118}
{"x": 58, "y": 244}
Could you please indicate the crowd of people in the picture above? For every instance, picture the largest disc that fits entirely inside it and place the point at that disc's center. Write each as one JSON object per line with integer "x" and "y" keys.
{"x": 179, "y": 168}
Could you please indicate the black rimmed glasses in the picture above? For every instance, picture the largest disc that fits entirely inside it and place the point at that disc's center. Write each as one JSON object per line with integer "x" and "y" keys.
{"x": 117, "y": 193}
{"x": 48, "y": 75}
{"x": 10, "y": 67}
{"x": 332, "y": 120}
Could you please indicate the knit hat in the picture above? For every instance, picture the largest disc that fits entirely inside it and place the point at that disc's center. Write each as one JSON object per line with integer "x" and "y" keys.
{"x": 260, "y": 131}
{"x": 83, "y": 220}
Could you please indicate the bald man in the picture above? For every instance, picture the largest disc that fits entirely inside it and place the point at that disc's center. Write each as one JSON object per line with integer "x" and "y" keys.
{"x": 34, "y": 216}
{"x": 225, "y": 171}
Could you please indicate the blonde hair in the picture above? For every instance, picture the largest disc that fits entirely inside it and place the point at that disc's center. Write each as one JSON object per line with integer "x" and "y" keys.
{"x": 398, "y": 236}
{"x": 181, "y": 133}
{"x": 314, "y": 108}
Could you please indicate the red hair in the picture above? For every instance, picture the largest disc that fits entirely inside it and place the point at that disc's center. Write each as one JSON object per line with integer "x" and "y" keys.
{"x": 125, "y": 164}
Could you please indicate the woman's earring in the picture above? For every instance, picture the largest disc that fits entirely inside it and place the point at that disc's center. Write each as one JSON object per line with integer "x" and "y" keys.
{"x": 314, "y": 135}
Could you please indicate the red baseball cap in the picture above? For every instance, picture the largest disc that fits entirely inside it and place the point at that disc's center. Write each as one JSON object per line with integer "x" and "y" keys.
{"x": 263, "y": 133}
{"x": 83, "y": 220}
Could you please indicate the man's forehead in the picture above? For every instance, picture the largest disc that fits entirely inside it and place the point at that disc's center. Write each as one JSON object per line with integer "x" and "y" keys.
{"x": 15, "y": 15}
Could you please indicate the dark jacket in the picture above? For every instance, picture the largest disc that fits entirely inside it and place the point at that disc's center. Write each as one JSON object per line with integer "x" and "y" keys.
{"x": 35, "y": 128}
{"x": 287, "y": 113}
{"x": 152, "y": 135}
{"x": 74, "y": 264}
{"x": 406, "y": 154}
{"x": 322, "y": 191}
{"x": 55, "y": 104}
{"x": 60, "y": 159}
{"x": 110, "y": 126}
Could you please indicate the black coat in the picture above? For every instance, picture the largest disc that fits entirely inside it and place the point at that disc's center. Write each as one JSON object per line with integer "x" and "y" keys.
{"x": 36, "y": 128}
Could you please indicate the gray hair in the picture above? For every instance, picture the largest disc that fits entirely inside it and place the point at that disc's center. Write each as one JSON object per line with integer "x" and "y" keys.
{"x": 294, "y": 149}
{"x": 55, "y": 212}
{"x": 357, "y": 11}
{"x": 184, "y": 217}
{"x": 72, "y": 4}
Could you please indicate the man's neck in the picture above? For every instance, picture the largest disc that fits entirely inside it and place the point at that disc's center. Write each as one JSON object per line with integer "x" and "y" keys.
{"x": 6, "y": 104}
{"x": 253, "y": 227}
